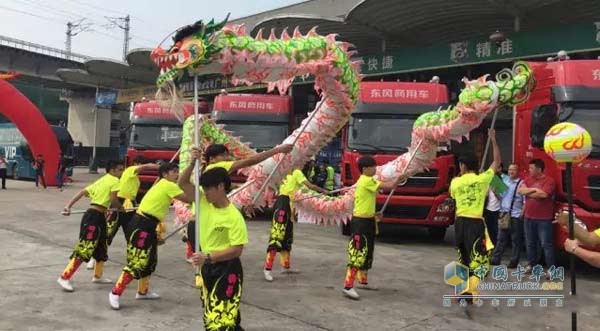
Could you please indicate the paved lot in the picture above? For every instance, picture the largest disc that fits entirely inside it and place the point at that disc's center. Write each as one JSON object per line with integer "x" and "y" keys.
{"x": 35, "y": 241}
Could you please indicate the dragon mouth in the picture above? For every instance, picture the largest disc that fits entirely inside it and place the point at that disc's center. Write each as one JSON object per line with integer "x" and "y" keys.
{"x": 168, "y": 65}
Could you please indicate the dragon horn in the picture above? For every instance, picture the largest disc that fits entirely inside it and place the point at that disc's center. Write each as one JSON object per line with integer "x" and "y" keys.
{"x": 259, "y": 34}
{"x": 297, "y": 33}
{"x": 284, "y": 34}
{"x": 272, "y": 35}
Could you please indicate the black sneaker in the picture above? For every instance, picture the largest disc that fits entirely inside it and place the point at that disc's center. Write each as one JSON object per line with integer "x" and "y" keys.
{"x": 513, "y": 265}
{"x": 528, "y": 269}
{"x": 494, "y": 262}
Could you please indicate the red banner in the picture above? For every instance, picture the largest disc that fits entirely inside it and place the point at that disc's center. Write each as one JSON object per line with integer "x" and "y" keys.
{"x": 153, "y": 109}
{"x": 252, "y": 103}
{"x": 400, "y": 92}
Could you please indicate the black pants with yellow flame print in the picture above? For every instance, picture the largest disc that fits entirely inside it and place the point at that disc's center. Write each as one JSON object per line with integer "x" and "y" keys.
{"x": 116, "y": 220}
{"x": 362, "y": 243}
{"x": 471, "y": 247}
{"x": 221, "y": 295}
{"x": 142, "y": 246}
{"x": 92, "y": 237}
{"x": 281, "y": 236}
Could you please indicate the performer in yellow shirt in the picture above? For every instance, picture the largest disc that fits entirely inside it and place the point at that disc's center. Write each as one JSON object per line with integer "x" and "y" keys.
{"x": 217, "y": 156}
{"x": 92, "y": 233}
{"x": 469, "y": 191}
{"x": 362, "y": 239}
{"x": 582, "y": 237}
{"x": 282, "y": 226}
{"x": 126, "y": 196}
{"x": 223, "y": 235}
{"x": 142, "y": 246}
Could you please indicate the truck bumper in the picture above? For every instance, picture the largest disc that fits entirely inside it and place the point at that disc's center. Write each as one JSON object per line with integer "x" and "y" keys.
{"x": 436, "y": 211}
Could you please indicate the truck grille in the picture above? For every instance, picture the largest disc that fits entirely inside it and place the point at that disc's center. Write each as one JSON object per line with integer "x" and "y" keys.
{"x": 594, "y": 187}
{"x": 423, "y": 179}
{"x": 405, "y": 211}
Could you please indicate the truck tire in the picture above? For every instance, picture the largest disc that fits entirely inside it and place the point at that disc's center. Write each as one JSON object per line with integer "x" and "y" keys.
{"x": 437, "y": 233}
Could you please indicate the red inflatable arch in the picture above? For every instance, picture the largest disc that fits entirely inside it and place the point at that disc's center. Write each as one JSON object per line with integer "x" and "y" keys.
{"x": 34, "y": 127}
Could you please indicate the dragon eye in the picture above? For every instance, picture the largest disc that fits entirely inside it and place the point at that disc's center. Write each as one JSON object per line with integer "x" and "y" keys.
{"x": 196, "y": 49}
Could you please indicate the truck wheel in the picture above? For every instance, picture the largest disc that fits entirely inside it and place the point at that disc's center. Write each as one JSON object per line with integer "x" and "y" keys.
{"x": 346, "y": 229}
{"x": 437, "y": 233}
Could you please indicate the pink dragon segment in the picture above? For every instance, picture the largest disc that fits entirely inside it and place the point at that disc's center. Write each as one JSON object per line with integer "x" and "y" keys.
{"x": 476, "y": 101}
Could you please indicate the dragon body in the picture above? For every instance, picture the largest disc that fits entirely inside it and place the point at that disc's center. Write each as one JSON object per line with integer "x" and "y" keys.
{"x": 207, "y": 48}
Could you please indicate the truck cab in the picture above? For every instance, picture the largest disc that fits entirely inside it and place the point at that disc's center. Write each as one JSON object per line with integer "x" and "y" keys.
{"x": 262, "y": 120}
{"x": 566, "y": 91}
{"x": 155, "y": 135}
{"x": 381, "y": 127}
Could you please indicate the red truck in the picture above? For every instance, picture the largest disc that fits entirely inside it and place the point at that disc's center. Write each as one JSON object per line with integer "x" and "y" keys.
{"x": 566, "y": 91}
{"x": 155, "y": 135}
{"x": 263, "y": 120}
{"x": 381, "y": 127}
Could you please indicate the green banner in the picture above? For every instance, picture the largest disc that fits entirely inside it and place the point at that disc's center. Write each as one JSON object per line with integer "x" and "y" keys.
{"x": 580, "y": 37}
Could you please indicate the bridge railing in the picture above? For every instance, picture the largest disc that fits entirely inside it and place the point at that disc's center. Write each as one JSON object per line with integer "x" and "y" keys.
{"x": 41, "y": 49}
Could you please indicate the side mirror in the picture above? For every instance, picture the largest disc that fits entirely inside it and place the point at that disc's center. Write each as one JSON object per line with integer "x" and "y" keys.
{"x": 135, "y": 137}
{"x": 542, "y": 119}
{"x": 354, "y": 133}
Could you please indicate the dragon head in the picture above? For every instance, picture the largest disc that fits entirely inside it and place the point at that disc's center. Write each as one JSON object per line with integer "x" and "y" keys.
{"x": 193, "y": 46}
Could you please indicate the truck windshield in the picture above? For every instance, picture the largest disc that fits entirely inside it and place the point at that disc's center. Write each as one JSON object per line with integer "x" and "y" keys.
{"x": 389, "y": 133}
{"x": 261, "y": 136}
{"x": 588, "y": 117}
{"x": 155, "y": 137}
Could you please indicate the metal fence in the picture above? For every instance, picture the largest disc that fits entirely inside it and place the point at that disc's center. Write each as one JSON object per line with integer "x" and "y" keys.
{"x": 41, "y": 49}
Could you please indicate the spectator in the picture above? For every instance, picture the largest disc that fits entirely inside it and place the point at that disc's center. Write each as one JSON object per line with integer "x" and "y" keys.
{"x": 330, "y": 182}
{"x": 309, "y": 170}
{"x": 538, "y": 190}
{"x": 3, "y": 167}
{"x": 492, "y": 206}
{"x": 60, "y": 176}
{"x": 512, "y": 205}
{"x": 38, "y": 165}
{"x": 320, "y": 177}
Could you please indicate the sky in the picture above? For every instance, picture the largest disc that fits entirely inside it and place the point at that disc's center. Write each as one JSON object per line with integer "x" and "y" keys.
{"x": 45, "y": 21}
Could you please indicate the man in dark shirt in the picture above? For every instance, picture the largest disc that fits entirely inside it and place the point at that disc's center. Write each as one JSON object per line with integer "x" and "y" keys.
{"x": 538, "y": 190}
{"x": 38, "y": 165}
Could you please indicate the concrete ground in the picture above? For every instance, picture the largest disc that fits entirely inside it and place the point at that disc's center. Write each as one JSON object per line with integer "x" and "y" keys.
{"x": 35, "y": 241}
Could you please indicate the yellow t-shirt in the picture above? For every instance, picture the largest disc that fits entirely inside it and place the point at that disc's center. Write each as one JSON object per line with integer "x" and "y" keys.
{"x": 469, "y": 191}
{"x": 597, "y": 232}
{"x": 222, "y": 164}
{"x": 292, "y": 183}
{"x": 129, "y": 183}
{"x": 221, "y": 228}
{"x": 365, "y": 196}
{"x": 157, "y": 200}
{"x": 99, "y": 191}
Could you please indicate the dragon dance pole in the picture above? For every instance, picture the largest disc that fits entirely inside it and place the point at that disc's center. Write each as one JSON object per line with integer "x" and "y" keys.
{"x": 389, "y": 197}
{"x": 264, "y": 186}
{"x": 487, "y": 144}
{"x": 197, "y": 171}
